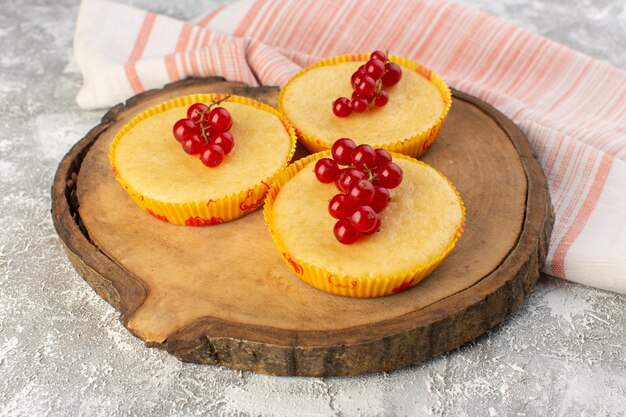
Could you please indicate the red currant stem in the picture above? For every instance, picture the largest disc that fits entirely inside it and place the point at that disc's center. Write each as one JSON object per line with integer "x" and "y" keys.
{"x": 379, "y": 87}
{"x": 218, "y": 101}
{"x": 368, "y": 171}
{"x": 202, "y": 129}
{"x": 213, "y": 103}
{"x": 370, "y": 176}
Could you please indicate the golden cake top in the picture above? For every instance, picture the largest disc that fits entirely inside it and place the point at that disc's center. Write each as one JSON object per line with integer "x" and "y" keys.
{"x": 150, "y": 161}
{"x": 424, "y": 217}
{"x": 415, "y": 104}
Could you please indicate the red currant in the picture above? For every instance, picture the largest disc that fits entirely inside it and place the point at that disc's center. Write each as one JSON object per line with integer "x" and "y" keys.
{"x": 220, "y": 120}
{"x": 345, "y": 233}
{"x": 361, "y": 192}
{"x": 359, "y": 104}
{"x": 376, "y": 228}
{"x": 347, "y": 176}
{"x": 367, "y": 82}
{"x": 392, "y": 75}
{"x": 193, "y": 146}
{"x": 381, "y": 199}
{"x": 341, "y": 107}
{"x": 225, "y": 141}
{"x": 379, "y": 55}
{"x": 356, "y": 76}
{"x": 326, "y": 170}
{"x": 205, "y": 132}
{"x": 389, "y": 176}
{"x": 364, "y": 219}
{"x": 375, "y": 68}
{"x": 382, "y": 98}
{"x": 184, "y": 129}
{"x": 212, "y": 156}
{"x": 199, "y": 138}
{"x": 382, "y": 157}
{"x": 340, "y": 206}
{"x": 363, "y": 156}
{"x": 364, "y": 187}
{"x": 366, "y": 86}
{"x": 196, "y": 111}
{"x": 342, "y": 151}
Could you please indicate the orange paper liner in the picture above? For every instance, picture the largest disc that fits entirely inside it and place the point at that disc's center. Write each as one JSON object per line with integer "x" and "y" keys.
{"x": 413, "y": 146}
{"x": 345, "y": 285}
{"x": 214, "y": 209}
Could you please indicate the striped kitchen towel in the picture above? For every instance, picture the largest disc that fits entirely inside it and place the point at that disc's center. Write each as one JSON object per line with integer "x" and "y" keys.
{"x": 571, "y": 107}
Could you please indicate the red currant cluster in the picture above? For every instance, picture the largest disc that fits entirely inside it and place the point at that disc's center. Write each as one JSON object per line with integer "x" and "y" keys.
{"x": 205, "y": 132}
{"x": 363, "y": 184}
{"x": 368, "y": 82}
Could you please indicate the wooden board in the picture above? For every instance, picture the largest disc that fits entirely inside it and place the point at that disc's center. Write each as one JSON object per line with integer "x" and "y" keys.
{"x": 222, "y": 295}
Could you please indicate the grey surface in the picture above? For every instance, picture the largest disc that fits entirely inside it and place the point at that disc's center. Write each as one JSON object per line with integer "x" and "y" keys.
{"x": 64, "y": 352}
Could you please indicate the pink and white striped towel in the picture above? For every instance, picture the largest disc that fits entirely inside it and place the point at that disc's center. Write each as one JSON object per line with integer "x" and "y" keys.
{"x": 571, "y": 107}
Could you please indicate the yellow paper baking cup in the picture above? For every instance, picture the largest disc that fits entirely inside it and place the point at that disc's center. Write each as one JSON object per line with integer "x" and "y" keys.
{"x": 351, "y": 286}
{"x": 214, "y": 209}
{"x": 413, "y": 146}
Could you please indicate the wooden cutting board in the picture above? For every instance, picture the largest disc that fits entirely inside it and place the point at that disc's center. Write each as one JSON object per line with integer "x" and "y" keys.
{"x": 222, "y": 295}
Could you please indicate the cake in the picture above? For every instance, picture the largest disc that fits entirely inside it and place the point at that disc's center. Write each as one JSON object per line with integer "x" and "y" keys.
{"x": 176, "y": 187}
{"x": 409, "y": 123}
{"x": 420, "y": 226}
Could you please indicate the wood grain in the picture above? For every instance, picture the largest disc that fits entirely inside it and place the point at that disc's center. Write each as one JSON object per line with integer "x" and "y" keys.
{"x": 240, "y": 307}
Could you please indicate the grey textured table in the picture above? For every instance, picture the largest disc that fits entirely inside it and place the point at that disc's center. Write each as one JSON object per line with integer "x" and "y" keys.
{"x": 63, "y": 351}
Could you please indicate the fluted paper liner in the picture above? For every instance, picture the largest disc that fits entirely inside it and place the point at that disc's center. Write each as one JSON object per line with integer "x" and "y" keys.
{"x": 214, "y": 209}
{"x": 351, "y": 286}
{"x": 413, "y": 146}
